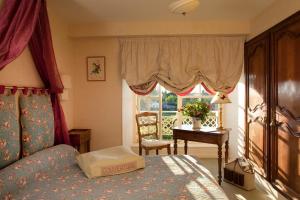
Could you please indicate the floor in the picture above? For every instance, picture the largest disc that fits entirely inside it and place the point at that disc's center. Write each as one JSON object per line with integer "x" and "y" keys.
{"x": 263, "y": 190}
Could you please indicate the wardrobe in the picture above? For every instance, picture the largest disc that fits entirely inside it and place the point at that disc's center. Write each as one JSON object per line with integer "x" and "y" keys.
{"x": 272, "y": 71}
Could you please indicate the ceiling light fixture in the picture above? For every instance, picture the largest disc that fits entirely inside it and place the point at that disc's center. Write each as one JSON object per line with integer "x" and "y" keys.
{"x": 183, "y": 6}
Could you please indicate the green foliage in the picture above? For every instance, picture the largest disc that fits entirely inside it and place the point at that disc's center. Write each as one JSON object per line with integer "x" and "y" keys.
{"x": 172, "y": 99}
{"x": 169, "y": 101}
{"x": 167, "y": 137}
{"x": 196, "y": 109}
{"x": 168, "y": 97}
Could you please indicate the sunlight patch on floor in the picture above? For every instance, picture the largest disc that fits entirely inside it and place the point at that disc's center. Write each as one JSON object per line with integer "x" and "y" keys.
{"x": 240, "y": 197}
{"x": 204, "y": 189}
{"x": 183, "y": 165}
{"x": 175, "y": 168}
{"x": 202, "y": 168}
{"x": 272, "y": 193}
{"x": 196, "y": 191}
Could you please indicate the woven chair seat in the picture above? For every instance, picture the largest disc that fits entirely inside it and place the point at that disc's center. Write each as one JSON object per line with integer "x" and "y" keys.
{"x": 154, "y": 143}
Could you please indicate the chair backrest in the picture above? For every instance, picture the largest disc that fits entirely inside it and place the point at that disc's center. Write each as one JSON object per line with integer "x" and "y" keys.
{"x": 147, "y": 125}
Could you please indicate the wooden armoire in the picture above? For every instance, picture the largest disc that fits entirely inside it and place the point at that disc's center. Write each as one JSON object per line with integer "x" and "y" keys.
{"x": 272, "y": 70}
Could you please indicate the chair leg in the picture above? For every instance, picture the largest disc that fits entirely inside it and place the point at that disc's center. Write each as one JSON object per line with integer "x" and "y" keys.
{"x": 147, "y": 152}
{"x": 156, "y": 151}
{"x": 140, "y": 151}
{"x": 169, "y": 150}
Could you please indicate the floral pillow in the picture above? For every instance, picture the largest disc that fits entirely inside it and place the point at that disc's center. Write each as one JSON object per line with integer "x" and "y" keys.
{"x": 9, "y": 130}
{"x": 37, "y": 123}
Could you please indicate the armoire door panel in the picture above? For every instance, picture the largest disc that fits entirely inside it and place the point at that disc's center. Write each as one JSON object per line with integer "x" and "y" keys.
{"x": 288, "y": 70}
{"x": 257, "y": 59}
{"x": 256, "y": 147}
{"x": 257, "y": 72}
{"x": 285, "y": 40}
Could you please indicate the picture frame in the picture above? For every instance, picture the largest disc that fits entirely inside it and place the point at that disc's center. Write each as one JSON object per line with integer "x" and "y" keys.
{"x": 96, "y": 68}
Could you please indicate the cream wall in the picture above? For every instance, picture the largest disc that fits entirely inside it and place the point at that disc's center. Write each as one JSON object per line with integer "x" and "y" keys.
{"x": 98, "y": 104}
{"x": 184, "y": 27}
{"x": 277, "y": 12}
{"x": 22, "y": 71}
{"x": 234, "y": 118}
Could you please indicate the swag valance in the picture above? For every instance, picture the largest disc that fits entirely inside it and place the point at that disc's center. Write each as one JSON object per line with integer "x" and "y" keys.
{"x": 179, "y": 63}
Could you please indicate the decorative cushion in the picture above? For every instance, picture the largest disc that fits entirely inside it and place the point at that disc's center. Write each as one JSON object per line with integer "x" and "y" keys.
{"x": 9, "y": 130}
{"x": 110, "y": 161}
{"x": 153, "y": 142}
{"x": 37, "y": 123}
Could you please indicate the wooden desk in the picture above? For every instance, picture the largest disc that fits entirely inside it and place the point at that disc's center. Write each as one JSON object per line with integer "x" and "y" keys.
{"x": 81, "y": 139}
{"x": 211, "y": 136}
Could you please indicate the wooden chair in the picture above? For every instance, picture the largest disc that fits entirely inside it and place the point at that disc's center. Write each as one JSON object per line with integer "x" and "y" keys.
{"x": 148, "y": 133}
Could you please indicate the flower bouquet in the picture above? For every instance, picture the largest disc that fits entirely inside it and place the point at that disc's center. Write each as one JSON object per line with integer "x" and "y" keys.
{"x": 197, "y": 110}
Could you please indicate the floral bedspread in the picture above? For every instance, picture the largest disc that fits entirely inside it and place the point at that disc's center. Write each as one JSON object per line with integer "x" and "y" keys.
{"x": 54, "y": 174}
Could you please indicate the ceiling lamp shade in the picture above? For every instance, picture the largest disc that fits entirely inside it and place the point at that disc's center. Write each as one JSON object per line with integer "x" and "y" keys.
{"x": 183, "y": 6}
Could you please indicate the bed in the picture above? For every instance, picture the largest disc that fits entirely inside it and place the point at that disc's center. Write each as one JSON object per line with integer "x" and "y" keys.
{"x": 54, "y": 174}
{"x": 33, "y": 169}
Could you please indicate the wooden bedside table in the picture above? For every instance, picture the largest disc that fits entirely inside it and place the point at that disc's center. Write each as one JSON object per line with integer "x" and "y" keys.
{"x": 80, "y": 139}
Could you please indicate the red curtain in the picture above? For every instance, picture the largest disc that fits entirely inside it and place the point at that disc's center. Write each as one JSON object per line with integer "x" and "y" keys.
{"x": 187, "y": 92}
{"x": 17, "y": 22}
{"x": 25, "y": 22}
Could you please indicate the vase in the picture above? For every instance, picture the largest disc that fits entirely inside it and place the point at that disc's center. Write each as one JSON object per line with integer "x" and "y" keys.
{"x": 196, "y": 123}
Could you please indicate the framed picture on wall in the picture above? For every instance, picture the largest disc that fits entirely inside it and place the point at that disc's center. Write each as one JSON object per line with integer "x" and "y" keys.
{"x": 96, "y": 68}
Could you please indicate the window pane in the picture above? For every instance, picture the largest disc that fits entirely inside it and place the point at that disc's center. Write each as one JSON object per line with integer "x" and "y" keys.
{"x": 165, "y": 103}
{"x": 169, "y": 101}
{"x": 155, "y": 92}
{"x": 167, "y": 124}
{"x": 203, "y": 91}
{"x": 206, "y": 100}
{"x": 148, "y": 103}
{"x": 195, "y": 92}
{"x": 189, "y": 100}
{"x": 214, "y": 107}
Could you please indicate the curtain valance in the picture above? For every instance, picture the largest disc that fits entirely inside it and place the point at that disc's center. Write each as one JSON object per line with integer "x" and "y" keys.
{"x": 179, "y": 63}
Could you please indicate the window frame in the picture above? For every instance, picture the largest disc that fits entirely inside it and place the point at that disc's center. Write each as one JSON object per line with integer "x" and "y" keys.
{"x": 180, "y": 99}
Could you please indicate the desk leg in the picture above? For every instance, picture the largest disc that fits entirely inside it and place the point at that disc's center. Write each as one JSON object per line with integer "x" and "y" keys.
{"x": 220, "y": 163}
{"x": 175, "y": 146}
{"x": 185, "y": 147}
{"x": 226, "y": 151}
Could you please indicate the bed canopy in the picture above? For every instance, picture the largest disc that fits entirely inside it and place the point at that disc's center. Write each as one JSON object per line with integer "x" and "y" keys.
{"x": 25, "y": 23}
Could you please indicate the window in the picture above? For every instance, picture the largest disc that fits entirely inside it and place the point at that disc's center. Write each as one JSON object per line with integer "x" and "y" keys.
{"x": 166, "y": 104}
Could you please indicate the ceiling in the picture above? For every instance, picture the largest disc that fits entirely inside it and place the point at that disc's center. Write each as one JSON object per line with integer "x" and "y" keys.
{"x": 93, "y": 11}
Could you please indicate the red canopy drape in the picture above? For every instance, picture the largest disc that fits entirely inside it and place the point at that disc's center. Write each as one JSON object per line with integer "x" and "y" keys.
{"x": 17, "y": 22}
{"x": 25, "y": 22}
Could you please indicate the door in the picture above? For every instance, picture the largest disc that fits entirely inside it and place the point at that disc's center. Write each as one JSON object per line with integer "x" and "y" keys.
{"x": 257, "y": 79}
{"x": 285, "y": 122}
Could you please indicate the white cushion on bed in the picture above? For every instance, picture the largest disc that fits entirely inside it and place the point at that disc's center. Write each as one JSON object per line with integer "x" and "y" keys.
{"x": 110, "y": 161}
{"x": 153, "y": 142}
